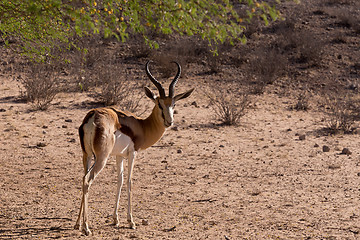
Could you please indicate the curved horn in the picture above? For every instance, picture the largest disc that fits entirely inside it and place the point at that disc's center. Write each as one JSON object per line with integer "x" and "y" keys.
{"x": 173, "y": 83}
{"x": 154, "y": 81}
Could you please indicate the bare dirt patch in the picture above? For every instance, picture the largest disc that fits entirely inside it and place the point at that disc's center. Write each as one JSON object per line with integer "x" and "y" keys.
{"x": 267, "y": 178}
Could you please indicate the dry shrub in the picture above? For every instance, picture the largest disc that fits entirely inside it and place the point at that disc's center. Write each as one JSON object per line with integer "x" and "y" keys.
{"x": 165, "y": 67}
{"x": 40, "y": 85}
{"x": 229, "y": 105}
{"x": 303, "y": 46}
{"x": 339, "y": 2}
{"x": 348, "y": 19}
{"x": 187, "y": 50}
{"x": 310, "y": 48}
{"x": 302, "y": 103}
{"x": 214, "y": 63}
{"x": 113, "y": 86}
{"x": 339, "y": 38}
{"x": 265, "y": 67}
{"x": 138, "y": 47}
{"x": 341, "y": 112}
{"x": 83, "y": 68}
{"x": 184, "y": 50}
{"x": 116, "y": 87}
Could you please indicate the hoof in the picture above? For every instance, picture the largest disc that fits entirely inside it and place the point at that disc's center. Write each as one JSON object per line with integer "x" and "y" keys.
{"x": 116, "y": 223}
{"x": 77, "y": 226}
{"x": 132, "y": 225}
{"x": 87, "y": 231}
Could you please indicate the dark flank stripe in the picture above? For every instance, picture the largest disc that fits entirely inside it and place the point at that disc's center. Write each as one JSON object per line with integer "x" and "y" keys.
{"x": 127, "y": 131}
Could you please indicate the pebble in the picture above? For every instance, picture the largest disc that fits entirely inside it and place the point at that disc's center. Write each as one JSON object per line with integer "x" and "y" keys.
{"x": 326, "y": 148}
{"x": 41, "y": 144}
{"x": 302, "y": 137}
{"x": 194, "y": 104}
{"x": 346, "y": 151}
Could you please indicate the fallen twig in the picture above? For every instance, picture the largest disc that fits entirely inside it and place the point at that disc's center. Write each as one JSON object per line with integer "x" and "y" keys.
{"x": 170, "y": 229}
{"x": 205, "y": 200}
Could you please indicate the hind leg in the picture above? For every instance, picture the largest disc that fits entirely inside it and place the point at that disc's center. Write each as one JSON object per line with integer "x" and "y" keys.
{"x": 86, "y": 163}
{"x": 89, "y": 178}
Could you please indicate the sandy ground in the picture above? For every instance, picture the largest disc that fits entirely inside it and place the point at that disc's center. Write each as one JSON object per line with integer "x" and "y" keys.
{"x": 200, "y": 181}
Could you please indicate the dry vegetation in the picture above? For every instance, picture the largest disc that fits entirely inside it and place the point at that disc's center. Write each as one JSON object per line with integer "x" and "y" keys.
{"x": 258, "y": 170}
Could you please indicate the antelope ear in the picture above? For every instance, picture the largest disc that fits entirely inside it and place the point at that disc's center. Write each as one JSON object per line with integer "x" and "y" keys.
{"x": 183, "y": 95}
{"x": 149, "y": 93}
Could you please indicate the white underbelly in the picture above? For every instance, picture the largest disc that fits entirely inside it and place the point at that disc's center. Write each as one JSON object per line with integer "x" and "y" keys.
{"x": 123, "y": 144}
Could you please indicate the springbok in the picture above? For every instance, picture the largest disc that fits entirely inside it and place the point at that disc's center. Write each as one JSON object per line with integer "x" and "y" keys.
{"x": 107, "y": 131}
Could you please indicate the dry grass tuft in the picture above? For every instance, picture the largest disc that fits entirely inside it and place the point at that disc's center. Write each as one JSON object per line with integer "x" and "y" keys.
{"x": 341, "y": 113}
{"x": 40, "y": 85}
{"x": 228, "y": 105}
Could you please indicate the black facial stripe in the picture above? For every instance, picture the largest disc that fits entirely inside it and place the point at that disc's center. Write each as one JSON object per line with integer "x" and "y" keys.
{"x": 162, "y": 111}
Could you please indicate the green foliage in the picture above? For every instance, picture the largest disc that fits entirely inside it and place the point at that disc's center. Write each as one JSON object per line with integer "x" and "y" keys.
{"x": 40, "y": 25}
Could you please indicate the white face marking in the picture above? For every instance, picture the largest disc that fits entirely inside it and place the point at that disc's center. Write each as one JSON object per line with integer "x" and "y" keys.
{"x": 167, "y": 113}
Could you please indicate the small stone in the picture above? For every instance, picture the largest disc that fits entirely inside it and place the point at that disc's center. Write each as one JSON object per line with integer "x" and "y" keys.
{"x": 194, "y": 104}
{"x": 64, "y": 126}
{"x": 41, "y": 144}
{"x": 145, "y": 222}
{"x": 179, "y": 151}
{"x": 221, "y": 146}
{"x": 346, "y": 151}
{"x": 68, "y": 120}
{"x": 316, "y": 145}
{"x": 302, "y": 137}
{"x": 175, "y": 128}
{"x": 326, "y": 148}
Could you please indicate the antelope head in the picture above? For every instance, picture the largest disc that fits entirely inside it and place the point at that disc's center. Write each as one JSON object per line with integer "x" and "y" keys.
{"x": 164, "y": 105}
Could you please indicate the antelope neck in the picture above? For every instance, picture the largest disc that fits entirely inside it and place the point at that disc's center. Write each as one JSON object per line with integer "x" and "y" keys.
{"x": 153, "y": 128}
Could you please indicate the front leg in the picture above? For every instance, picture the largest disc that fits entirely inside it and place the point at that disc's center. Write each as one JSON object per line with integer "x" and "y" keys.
{"x": 131, "y": 159}
{"x": 120, "y": 172}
